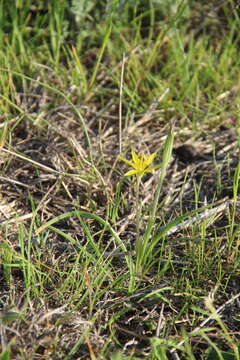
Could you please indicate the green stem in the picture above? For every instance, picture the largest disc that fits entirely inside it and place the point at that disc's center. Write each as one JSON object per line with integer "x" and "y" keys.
{"x": 138, "y": 212}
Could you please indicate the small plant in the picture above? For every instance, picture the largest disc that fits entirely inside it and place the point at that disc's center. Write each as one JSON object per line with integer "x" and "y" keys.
{"x": 142, "y": 164}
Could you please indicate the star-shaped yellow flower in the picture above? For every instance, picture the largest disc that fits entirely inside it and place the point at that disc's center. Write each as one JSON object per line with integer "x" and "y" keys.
{"x": 141, "y": 163}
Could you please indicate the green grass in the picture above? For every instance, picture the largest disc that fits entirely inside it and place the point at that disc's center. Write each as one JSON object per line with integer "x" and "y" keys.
{"x": 81, "y": 276}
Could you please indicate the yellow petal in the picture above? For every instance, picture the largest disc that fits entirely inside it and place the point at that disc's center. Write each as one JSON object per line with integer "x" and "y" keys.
{"x": 150, "y": 158}
{"x": 131, "y": 172}
{"x": 135, "y": 157}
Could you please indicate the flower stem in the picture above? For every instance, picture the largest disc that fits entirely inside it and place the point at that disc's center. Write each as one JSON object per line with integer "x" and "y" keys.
{"x": 138, "y": 206}
{"x": 139, "y": 240}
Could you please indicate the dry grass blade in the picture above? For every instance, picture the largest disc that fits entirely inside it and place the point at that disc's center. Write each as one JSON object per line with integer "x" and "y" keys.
{"x": 47, "y": 168}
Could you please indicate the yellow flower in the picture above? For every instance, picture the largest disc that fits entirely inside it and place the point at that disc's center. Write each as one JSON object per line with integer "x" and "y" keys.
{"x": 140, "y": 163}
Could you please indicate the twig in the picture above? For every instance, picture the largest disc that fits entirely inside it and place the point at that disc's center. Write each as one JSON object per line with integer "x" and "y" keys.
{"x": 160, "y": 321}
